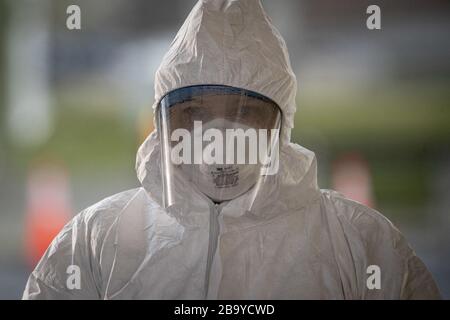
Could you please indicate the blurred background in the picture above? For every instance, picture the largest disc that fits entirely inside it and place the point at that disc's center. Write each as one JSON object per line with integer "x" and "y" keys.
{"x": 75, "y": 105}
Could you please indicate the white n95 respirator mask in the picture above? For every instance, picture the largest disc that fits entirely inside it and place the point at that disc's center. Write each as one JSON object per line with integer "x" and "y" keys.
{"x": 216, "y": 177}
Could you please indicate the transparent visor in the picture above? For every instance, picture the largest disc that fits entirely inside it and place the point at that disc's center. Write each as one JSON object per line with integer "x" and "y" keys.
{"x": 216, "y": 141}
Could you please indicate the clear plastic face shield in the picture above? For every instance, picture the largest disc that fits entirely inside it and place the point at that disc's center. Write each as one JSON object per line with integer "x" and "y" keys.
{"x": 217, "y": 141}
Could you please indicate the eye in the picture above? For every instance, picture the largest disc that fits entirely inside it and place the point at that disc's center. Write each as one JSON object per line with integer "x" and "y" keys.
{"x": 193, "y": 111}
{"x": 244, "y": 111}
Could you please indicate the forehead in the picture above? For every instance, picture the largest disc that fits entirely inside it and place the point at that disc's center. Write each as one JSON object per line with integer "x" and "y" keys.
{"x": 224, "y": 104}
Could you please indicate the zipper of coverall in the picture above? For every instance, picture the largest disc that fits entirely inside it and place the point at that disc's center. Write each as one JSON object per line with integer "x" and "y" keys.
{"x": 214, "y": 231}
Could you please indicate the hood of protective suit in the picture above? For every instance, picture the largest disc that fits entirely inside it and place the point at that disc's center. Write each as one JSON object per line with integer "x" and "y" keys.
{"x": 232, "y": 43}
{"x": 229, "y": 42}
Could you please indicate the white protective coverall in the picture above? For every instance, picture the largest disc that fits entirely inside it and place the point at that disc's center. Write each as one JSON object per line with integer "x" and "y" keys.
{"x": 296, "y": 242}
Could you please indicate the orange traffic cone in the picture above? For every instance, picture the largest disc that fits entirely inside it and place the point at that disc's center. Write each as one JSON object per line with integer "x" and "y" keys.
{"x": 48, "y": 209}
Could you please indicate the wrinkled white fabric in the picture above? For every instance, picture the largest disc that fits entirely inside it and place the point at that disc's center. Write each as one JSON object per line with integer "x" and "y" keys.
{"x": 296, "y": 242}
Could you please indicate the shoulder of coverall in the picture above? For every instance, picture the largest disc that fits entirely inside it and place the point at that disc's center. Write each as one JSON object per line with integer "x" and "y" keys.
{"x": 366, "y": 222}
{"x": 79, "y": 242}
{"x": 95, "y": 221}
{"x": 100, "y": 217}
{"x": 373, "y": 239}
{"x": 106, "y": 209}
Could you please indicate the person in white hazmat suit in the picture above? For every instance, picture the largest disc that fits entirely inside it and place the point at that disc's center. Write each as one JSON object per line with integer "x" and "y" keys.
{"x": 228, "y": 231}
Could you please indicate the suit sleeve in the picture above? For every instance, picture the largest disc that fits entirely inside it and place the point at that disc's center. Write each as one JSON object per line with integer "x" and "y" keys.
{"x": 403, "y": 274}
{"x": 67, "y": 269}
